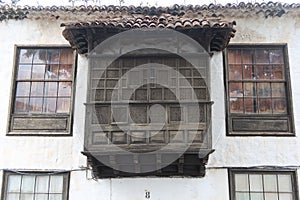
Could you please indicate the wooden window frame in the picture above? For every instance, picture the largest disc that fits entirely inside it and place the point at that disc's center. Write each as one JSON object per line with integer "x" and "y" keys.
{"x": 62, "y": 121}
{"x": 65, "y": 175}
{"x": 233, "y": 171}
{"x": 110, "y": 128}
{"x": 265, "y": 119}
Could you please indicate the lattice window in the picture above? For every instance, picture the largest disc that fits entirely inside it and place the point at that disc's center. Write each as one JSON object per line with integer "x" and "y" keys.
{"x": 156, "y": 95}
{"x": 43, "y": 87}
{"x": 35, "y": 186}
{"x": 263, "y": 185}
{"x": 258, "y": 85}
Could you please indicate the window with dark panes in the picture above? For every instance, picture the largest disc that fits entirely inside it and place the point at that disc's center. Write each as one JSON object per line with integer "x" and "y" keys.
{"x": 43, "y": 89}
{"x": 120, "y": 74}
{"x": 258, "y": 89}
{"x": 38, "y": 186}
{"x": 264, "y": 185}
{"x": 152, "y": 102}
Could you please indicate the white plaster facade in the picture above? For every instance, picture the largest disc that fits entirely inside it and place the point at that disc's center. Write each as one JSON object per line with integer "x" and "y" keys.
{"x": 64, "y": 153}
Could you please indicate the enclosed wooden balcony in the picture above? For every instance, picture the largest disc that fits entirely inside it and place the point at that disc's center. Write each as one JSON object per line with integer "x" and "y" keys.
{"x": 153, "y": 120}
{"x": 148, "y": 118}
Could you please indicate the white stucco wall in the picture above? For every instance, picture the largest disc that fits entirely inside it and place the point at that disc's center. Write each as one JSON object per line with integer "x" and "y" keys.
{"x": 63, "y": 153}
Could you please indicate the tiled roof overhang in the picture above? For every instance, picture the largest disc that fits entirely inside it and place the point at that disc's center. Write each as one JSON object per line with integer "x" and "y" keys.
{"x": 183, "y": 16}
{"x": 270, "y": 9}
{"x": 213, "y": 34}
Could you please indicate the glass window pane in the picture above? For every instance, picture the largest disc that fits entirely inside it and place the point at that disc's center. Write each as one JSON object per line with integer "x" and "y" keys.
{"x": 256, "y": 182}
{"x": 55, "y": 196}
{"x": 271, "y": 196}
{"x": 26, "y": 197}
{"x": 114, "y": 73}
{"x": 109, "y": 96}
{"x": 200, "y": 72}
{"x": 236, "y": 105}
{"x": 257, "y": 196}
{"x": 270, "y": 183}
{"x": 53, "y": 56}
{"x": 138, "y": 114}
{"x": 176, "y": 114}
{"x": 241, "y": 182}
{"x": 35, "y": 104}
{"x": 185, "y": 93}
{"x": 183, "y": 72}
{"x": 234, "y": 56}
{"x": 37, "y": 89}
{"x": 279, "y": 106}
{"x": 52, "y": 72}
{"x": 64, "y": 89}
{"x": 66, "y": 56}
{"x": 285, "y": 196}
{"x": 248, "y": 71}
{"x": 276, "y": 56}
{"x": 50, "y": 89}
{"x": 42, "y": 183}
{"x": 28, "y": 184}
{"x": 38, "y": 71}
{"x": 36, "y": 65}
{"x": 278, "y": 90}
{"x": 235, "y": 72}
{"x": 278, "y": 72}
{"x": 65, "y": 72}
{"x": 119, "y": 113}
{"x": 236, "y": 90}
{"x": 63, "y": 105}
{"x": 96, "y": 83}
{"x": 199, "y": 82}
{"x": 23, "y": 89}
{"x": 262, "y": 56}
{"x": 24, "y": 72}
{"x": 98, "y": 95}
{"x": 14, "y": 183}
{"x": 250, "y": 105}
{"x": 265, "y": 105}
{"x": 169, "y": 94}
{"x": 242, "y": 196}
{"x": 40, "y": 56}
{"x": 21, "y": 105}
{"x": 194, "y": 113}
{"x": 41, "y": 197}
{"x": 285, "y": 183}
{"x": 257, "y": 64}
{"x": 247, "y": 56}
{"x": 56, "y": 184}
{"x": 249, "y": 89}
{"x": 264, "y": 89}
{"x": 13, "y": 197}
{"x": 49, "y": 105}
{"x": 26, "y": 55}
{"x": 102, "y": 115}
{"x": 263, "y": 72}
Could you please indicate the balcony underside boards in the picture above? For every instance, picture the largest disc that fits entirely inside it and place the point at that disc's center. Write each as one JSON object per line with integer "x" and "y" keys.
{"x": 151, "y": 164}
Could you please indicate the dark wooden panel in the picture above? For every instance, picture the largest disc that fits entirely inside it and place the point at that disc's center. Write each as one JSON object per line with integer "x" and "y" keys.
{"x": 129, "y": 165}
{"x": 157, "y": 136}
{"x": 277, "y": 125}
{"x": 100, "y": 138}
{"x": 39, "y": 123}
{"x": 118, "y": 137}
{"x": 139, "y": 127}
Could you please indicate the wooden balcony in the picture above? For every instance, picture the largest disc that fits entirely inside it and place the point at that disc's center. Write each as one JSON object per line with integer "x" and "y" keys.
{"x": 178, "y": 147}
{"x": 148, "y": 121}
